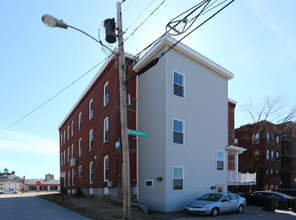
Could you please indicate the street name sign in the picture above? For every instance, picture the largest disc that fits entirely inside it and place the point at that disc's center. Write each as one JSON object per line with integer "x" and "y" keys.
{"x": 137, "y": 133}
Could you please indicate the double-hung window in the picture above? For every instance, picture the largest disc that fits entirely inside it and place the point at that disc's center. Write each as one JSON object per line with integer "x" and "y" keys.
{"x": 178, "y": 131}
{"x": 90, "y": 109}
{"x": 80, "y": 171}
{"x": 72, "y": 177}
{"x": 106, "y": 93}
{"x": 106, "y": 168}
{"x": 91, "y": 140}
{"x": 79, "y": 147}
{"x": 91, "y": 172}
{"x": 79, "y": 120}
{"x": 178, "y": 178}
{"x": 220, "y": 160}
{"x": 178, "y": 85}
{"x": 106, "y": 129}
{"x": 72, "y": 128}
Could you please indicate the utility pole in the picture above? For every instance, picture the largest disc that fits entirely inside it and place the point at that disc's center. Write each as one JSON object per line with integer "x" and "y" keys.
{"x": 123, "y": 119}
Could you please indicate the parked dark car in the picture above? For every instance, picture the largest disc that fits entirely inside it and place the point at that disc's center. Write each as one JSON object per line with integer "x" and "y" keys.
{"x": 260, "y": 198}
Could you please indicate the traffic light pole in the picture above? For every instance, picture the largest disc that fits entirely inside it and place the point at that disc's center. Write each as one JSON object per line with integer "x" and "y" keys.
{"x": 123, "y": 119}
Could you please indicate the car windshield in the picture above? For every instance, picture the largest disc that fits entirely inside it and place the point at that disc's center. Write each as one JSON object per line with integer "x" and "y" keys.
{"x": 210, "y": 197}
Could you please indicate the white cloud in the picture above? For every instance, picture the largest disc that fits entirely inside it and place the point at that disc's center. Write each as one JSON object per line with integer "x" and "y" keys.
{"x": 23, "y": 142}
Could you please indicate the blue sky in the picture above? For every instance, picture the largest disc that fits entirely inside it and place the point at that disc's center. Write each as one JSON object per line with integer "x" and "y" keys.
{"x": 255, "y": 40}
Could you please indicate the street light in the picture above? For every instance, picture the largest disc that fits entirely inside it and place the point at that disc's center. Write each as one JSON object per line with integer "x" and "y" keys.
{"x": 52, "y": 22}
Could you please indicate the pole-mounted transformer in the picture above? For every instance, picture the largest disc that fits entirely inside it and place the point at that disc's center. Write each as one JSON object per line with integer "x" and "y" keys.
{"x": 110, "y": 30}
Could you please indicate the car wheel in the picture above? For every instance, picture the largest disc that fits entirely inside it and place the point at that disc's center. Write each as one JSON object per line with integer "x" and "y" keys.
{"x": 240, "y": 209}
{"x": 215, "y": 212}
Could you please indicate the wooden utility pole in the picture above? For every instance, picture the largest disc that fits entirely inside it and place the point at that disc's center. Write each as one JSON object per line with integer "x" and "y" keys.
{"x": 123, "y": 119}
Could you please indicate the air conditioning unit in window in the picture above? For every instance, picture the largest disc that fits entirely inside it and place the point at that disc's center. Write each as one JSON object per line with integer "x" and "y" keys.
{"x": 73, "y": 162}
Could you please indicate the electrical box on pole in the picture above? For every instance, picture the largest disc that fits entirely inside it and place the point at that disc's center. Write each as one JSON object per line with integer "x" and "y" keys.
{"x": 110, "y": 30}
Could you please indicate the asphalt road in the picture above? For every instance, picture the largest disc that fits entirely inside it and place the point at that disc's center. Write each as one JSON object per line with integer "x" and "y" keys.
{"x": 28, "y": 206}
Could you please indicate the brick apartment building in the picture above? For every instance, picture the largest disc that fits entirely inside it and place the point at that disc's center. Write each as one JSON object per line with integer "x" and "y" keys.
{"x": 89, "y": 159}
{"x": 270, "y": 152}
{"x": 177, "y": 162}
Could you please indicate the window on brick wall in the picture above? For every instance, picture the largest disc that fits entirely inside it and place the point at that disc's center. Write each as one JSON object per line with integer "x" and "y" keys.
{"x": 90, "y": 109}
{"x": 72, "y": 128}
{"x": 79, "y": 147}
{"x": 80, "y": 171}
{"x": 79, "y": 120}
{"x": 91, "y": 139}
{"x": 106, "y": 129}
{"x": 91, "y": 172}
{"x": 72, "y": 177}
{"x": 106, "y": 168}
{"x": 106, "y": 93}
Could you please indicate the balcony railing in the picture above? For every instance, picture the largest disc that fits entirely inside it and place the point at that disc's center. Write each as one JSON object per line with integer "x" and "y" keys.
{"x": 239, "y": 177}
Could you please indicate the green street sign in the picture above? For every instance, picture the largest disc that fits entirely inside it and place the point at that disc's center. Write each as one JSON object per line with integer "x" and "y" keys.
{"x": 137, "y": 133}
{"x": 117, "y": 144}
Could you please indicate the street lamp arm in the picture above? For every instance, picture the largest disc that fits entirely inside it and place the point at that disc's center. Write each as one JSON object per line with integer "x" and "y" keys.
{"x": 51, "y": 21}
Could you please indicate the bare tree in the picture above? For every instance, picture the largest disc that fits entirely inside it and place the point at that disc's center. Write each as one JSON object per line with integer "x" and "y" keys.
{"x": 270, "y": 114}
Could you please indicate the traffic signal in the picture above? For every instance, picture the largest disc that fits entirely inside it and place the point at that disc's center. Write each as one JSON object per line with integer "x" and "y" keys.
{"x": 110, "y": 30}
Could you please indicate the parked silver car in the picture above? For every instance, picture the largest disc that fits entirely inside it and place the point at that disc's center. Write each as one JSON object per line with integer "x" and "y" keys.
{"x": 215, "y": 203}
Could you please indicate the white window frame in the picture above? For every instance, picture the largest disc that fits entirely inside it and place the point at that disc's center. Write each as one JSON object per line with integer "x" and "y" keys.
{"x": 61, "y": 143}
{"x": 106, "y": 168}
{"x": 68, "y": 156}
{"x": 91, "y": 172}
{"x": 72, "y": 128}
{"x": 80, "y": 147}
{"x": 91, "y": 140}
{"x": 90, "y": 109}
{"x": 79, "y": 120}
{"x": 173, "y": 83}
{"x": 218, "y": 151}
{"x": 72, "y": 151}
{"x": 106, "y": 129}
{"x": 64, "y": 136}
{"x": 178, "y": 178}
{"x": 183, "y": 122}
{"x": 73, "y": 177}
{"x": 69, "y": 178}
{"x": 64, "y": 157}
{"x": 68, "y": 132}
{"x": 65, "y": 178}
{"x": 106, "y": 96}
{"x": 146, "y": 181}
{"x": 80, "y": 171}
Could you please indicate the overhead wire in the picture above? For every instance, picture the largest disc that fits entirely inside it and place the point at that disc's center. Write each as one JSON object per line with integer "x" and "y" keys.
{"x": 54, "y": 96}
{"x": 162, "y": 54}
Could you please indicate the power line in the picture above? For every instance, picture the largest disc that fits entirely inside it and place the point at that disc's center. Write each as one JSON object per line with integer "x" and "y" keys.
{"x": 50, "y": 99}
{"x": 138, "y": 16}
{"x": 145, "y": 20}
{"x": 196, "y": 28}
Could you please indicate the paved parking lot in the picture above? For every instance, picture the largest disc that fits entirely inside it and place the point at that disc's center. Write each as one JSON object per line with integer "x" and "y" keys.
{"x": 250, "y": 212}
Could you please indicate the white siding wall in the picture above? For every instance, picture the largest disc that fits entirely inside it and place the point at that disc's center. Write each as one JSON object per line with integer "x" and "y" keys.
{"x": 205, "y": 113}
